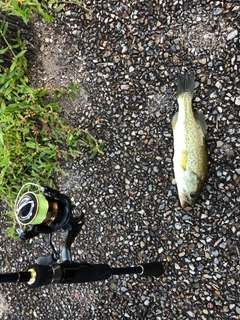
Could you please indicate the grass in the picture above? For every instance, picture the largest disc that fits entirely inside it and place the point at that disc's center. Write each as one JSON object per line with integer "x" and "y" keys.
{"x": 33, "y": 135}
{"x": 26, "y": 8}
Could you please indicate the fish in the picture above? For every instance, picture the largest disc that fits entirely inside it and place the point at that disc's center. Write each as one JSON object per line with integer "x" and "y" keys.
{"x": 190, "y": 159}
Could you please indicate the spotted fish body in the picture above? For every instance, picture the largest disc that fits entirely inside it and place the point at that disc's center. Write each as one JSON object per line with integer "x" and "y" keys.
{"x": 190, "y": 152}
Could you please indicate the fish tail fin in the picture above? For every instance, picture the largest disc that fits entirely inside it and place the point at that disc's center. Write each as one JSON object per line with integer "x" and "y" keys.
{"x": 185, "y": 84}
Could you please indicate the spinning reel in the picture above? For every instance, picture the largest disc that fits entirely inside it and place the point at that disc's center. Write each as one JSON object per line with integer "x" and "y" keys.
{"x": 46, "y": 212}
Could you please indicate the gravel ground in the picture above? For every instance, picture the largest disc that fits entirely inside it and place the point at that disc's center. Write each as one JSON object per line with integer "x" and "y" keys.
{"x": 126, "y": 56}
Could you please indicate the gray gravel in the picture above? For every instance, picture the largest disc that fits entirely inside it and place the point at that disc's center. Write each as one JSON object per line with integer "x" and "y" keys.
{"x": 126, "y": 55}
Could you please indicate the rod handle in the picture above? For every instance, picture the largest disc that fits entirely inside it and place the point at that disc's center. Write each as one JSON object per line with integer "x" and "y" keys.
{"x": 92, "y": 272}
{"x": 152, "y": 269}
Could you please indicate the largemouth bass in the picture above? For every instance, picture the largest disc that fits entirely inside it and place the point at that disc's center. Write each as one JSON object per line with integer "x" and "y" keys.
{"x": 190, "y": 153}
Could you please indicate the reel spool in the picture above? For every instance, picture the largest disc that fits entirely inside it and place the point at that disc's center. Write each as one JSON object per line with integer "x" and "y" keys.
{"x": 36, "y": 209}
{"x": 46, "y": 209}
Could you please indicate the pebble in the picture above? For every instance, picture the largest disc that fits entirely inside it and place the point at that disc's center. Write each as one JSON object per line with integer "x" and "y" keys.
{"x": 203, "y": 61}
{"x": 142, "y": 244}
{"x": 178, "y": 226}
{"x": 215, "y": 253}
{"x": 232, "y": 35}
{"x": 131, "y": 69}
{"x": 237, "y": 171}
{"x": 217, "y": 11}
{"x": 218, "y": 85}
{"x": 200, "y": 267}
{"x": 186, "y": 217}
{"x": 191, "y": 314}
{"x": 146, "y": 302}
{"x": 220, "y": 144}
{"x": 124, "y": 87}
{"x": 182, "y": 254}
{"x": 237, "y": 101}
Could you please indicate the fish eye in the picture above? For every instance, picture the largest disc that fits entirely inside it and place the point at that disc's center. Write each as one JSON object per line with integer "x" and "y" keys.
{"x": 193, "y": 194}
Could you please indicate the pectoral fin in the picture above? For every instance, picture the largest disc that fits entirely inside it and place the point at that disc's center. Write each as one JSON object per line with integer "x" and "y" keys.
{"x": 183, "y": 160}
{"x": 174, "y": 120}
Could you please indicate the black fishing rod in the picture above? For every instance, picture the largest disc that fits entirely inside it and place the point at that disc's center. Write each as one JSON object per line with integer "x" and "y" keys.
{"x": 46, "y": 212}
{"x": 66, "y": 272}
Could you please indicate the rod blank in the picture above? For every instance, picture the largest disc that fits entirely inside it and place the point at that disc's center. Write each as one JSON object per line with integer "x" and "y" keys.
{"x": 15, "y": 277}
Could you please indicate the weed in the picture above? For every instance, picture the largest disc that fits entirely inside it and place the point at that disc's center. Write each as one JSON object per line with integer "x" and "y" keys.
{"x": 25, "y": 8}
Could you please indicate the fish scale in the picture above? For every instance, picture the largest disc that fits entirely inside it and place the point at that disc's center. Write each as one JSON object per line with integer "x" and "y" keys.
{"x": 188, "y": 133}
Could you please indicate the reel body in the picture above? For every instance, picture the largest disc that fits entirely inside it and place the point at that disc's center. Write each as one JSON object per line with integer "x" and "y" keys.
{"x": 46, "y": 212}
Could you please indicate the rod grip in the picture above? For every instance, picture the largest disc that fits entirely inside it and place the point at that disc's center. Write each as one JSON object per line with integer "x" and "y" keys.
{"x": 92, "y": 272}
{"x": 9, "y": 277}
{"x": 152, "y": 269}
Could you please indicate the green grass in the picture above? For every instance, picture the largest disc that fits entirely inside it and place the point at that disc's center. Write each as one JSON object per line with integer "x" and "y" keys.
{"x": 26, "y": 8}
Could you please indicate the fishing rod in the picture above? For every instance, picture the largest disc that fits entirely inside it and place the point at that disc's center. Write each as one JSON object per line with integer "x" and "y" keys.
{"x": 45, "y": 212}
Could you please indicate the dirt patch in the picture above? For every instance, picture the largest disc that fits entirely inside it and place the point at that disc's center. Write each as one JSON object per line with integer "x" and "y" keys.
{"x": 56, "y": 63}
{"x": 3, "y": 305}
